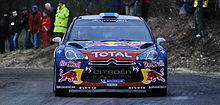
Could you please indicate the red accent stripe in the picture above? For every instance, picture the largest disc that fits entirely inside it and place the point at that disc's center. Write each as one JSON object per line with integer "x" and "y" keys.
{"x": 105, "y": 84}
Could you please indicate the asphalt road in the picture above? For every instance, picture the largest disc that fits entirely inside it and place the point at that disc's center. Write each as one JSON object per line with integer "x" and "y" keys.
{"x": 34, "y": 87}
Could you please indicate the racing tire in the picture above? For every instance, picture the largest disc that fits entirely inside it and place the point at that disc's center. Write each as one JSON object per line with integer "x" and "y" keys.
{"x": 156, "y": 92}
{"x": 58, "y": 92}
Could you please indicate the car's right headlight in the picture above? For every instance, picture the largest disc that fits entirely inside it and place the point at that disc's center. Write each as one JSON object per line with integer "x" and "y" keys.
{"x": 74, "y": 54}
{"x": 150, "y": 54}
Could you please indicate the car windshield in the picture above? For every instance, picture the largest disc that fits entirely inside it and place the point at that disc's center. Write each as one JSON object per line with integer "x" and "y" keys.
{"x": 118, "y": 30}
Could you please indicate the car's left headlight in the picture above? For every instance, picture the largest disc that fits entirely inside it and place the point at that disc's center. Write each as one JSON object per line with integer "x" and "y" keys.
{"x": 74, "y": 54}
{"x": 150, "y": 54}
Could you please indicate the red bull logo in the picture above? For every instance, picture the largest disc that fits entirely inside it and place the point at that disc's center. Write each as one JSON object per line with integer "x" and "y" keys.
{"x": 154, "y": 64}
{"x": 71, "y": 64}
{"x": 153, "y": 76}
{"x": 71, "y": 76}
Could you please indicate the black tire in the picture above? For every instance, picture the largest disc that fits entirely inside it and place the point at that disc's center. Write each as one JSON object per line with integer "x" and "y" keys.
{"x": 58, "y": 92}
{"x": 157, "y": 92}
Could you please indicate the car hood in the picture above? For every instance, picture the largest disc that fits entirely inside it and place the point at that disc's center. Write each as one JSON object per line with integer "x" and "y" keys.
{"x": 122, "y": 45}
{"x": 107, "y": 50}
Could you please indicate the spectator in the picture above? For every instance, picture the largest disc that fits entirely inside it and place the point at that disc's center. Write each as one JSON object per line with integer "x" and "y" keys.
{"x": 145, "y": 9}
{"x": 129, "y": 6}
{"x": 4, "y": 30}
{"x": 15, "y": 28}
{"x": 34, "y": 22}
{"x": 115, "y": 6}
{"x": 187, "y": 9}
{"x": 91, "y": 7}
{"x": 45, "y": 28}
{"x": 137, "y": 8}
{"x": 199, "y": 18}
{"x": 51, "y": 13}
{"x": 24, "y": 21}
{"x": 61, "y": 20}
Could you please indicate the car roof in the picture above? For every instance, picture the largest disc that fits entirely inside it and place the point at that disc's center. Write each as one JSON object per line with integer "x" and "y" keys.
{"x": 119, "y": 17}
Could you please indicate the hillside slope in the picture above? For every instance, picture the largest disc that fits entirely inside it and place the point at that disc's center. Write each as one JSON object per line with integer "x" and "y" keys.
{"x": 184, "y": 49}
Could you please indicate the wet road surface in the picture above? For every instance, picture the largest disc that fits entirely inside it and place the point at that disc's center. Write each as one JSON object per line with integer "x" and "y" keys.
{"x": 34, "y": 87}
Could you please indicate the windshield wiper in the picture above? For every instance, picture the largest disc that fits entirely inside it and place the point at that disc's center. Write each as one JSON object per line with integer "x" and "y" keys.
{"x": 127, "y": 40}
{"x": 81, "y": 40}
{"x": 108, "y": 40}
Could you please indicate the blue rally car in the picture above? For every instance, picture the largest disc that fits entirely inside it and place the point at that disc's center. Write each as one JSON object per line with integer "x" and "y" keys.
{"x": 109, "y": 52}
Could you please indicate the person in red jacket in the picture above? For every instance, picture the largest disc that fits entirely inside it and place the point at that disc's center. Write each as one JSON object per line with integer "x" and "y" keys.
{"x": 45, "y": 28}
{"x": 34, "y": 22}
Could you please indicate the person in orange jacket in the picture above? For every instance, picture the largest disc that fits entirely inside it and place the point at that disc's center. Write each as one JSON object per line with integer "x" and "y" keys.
{"x": 45, "y": 29}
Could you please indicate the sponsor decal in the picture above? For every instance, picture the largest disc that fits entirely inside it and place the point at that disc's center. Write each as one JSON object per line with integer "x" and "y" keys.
{"x": 107, "y": 54}
{"x": 154, "y": 64}
{"x": 112, "y": 84}
{"x": 118, "y": 84}
{"x": 153, "y": 76}
{"x": 157, "y": 87}
{"x": 131, "y": 44}
{"x": 111, "y": 54}
{"x": 137, "y": 88}
{"x": 71, "y": 76}
{"x": 112, "y": 80}
{"x": 71, "y": 64}
{"x": 65, "y": 87}
{"x": 112, "y": 72}
{"x": 87, "y": 88}
{"x": 145, "y": 76}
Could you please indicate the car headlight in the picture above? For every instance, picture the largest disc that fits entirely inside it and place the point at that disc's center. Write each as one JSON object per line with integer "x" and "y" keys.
{"x": 150, "y": 54}
{"x": 72, "y": 53}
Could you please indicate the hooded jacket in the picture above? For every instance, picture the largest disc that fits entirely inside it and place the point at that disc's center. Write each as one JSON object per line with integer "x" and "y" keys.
{"x": 61, "y": 19}
{"x": 34, "y": 22}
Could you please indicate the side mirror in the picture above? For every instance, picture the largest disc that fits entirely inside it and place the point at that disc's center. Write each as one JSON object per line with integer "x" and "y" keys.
{"x": 57, "y": 40}
{"x": 160, "y": 40}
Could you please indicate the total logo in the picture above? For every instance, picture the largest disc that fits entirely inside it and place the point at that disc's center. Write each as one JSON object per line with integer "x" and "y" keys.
{"x": 108, "y": 54}
{"x": 111, "y": 54}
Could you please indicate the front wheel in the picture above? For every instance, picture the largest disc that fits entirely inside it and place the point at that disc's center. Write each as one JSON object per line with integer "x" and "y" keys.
{"x": 58, "y": 92}
{"x": 157, "y": 92}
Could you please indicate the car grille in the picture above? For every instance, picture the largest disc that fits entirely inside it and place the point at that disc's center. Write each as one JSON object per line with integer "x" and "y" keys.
{"x": 112, "y": 62}
{"x": 127, "y": 73}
